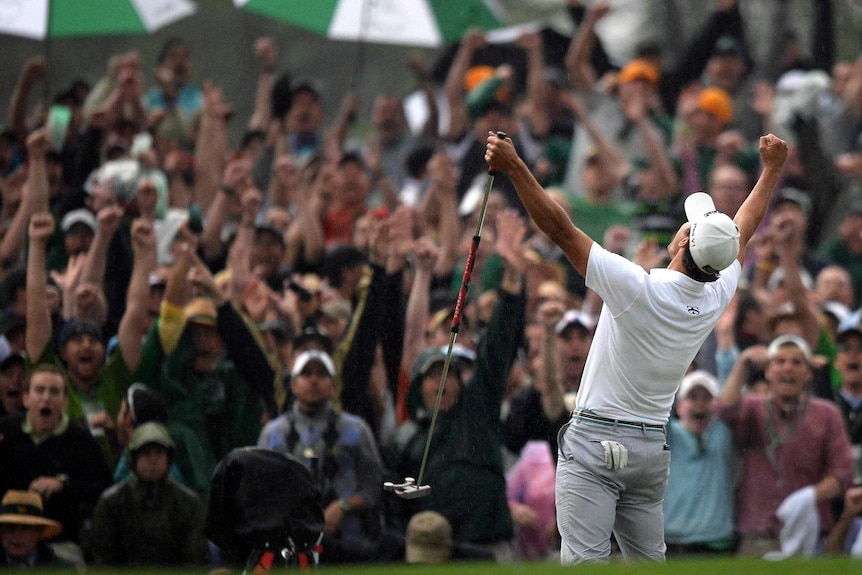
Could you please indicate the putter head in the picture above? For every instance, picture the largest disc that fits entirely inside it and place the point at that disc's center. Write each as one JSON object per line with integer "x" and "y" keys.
{"x": 408, "y": 489}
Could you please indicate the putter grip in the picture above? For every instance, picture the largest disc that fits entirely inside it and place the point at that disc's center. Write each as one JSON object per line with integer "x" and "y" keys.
{"x": 502, "y": 136}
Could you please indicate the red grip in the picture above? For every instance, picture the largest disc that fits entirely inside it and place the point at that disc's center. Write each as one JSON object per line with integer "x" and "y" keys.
{"x": 465, "y": 284}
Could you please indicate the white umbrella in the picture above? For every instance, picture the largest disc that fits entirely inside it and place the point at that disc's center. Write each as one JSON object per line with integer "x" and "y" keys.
{"x": 45, "y": 19}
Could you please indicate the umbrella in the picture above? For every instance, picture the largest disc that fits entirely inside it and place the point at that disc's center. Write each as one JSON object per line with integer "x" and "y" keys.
{"x": 45, "y": 19}
{"x": 427, "y": 23}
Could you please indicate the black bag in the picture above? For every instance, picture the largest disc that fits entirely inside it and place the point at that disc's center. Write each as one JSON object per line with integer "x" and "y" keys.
{"x": 264, "y": 500}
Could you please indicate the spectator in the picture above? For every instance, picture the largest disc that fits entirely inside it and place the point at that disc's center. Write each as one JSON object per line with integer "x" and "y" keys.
{"x": 141, "y": 405}
{"x": 23, "y": 532}
{"x": 537, "y": 411}
{"x": 210, "y": 367}
{"x": 45, "y": 452}
{"x": 12, "y": 377}
{"x": 349, "y": 200}
{"x": 707, "y": 115}
{"x": 844, "y": 537}
{"x": 96, "y": 387}
{"x": 848, "y": 397}
{"x": 429, "y": 538}
{"x": 845, "y": 250}
{"x": 467, "y": 479}
{"x": 699, "y": 501}
{"x": 173, "y": 103}
{"x": 341, "y": 453}
{"x": 795, "y": 454}
{"x": 150, "y": 519}
{"x": 530, "y": 490}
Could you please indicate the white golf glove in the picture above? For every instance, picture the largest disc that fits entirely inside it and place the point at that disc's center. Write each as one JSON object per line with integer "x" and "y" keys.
{"x": 616, "y": 455}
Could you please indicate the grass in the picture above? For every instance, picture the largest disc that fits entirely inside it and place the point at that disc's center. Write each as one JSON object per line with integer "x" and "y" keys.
{"x": 817, "y": 566}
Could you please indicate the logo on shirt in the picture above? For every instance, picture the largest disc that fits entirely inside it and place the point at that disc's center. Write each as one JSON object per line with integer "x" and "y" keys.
{"x": 693, "y": 310}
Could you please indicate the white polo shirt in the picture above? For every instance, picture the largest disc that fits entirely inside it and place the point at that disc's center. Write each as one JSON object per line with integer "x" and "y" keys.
{"x": 650, "y": 328}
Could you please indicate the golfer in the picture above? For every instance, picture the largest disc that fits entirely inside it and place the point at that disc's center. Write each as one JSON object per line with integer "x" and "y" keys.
{"x": 613, "y": 456}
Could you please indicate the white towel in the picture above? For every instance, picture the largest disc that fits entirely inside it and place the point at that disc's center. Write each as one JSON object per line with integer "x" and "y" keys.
{"x": 801, "y": 527}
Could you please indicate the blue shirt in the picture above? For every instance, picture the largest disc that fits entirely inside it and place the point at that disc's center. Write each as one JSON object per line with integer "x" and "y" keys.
{"x": 699, "y": 501}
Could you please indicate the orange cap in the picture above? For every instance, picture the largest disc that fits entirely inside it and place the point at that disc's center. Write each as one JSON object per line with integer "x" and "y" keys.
{"x": 639, "y": 69}
{"x": 717, "y": 102}
{"x": 476, "y": 75}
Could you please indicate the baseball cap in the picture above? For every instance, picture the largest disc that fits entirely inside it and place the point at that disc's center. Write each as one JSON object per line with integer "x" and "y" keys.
{"x": 146, "y": 404}
{"x": 313, "y": 355}
{"x": 717, "y": 102}
{"x": 201, "y": 310}
{"x": 837, "y": 310}
{"x": 697, "y": 378}
{"x": 12, "y": 359}
{"x": 791, "y": 195}
{"x": 639, "y": 69}
{"x": 575, "y": 317}
{"x": 850, "y": 325}
{"x": 428, "y": 538}
{"x": 714, "y": 238}
{"x": 728, "y": 46}
{"x": 315, "y": 335}
{"x": 788, "y": 340}
{"x": 79, "y": 216}
{"x": 269, "y": 229}
{"x": 78, "y": 328}
{"x": 151, "y": 432}
{"x": 431, "y": 359}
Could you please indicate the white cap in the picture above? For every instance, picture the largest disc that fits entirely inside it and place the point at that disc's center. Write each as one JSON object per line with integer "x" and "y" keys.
{"x": 785, "y": 340}
{"x": 79, "y": 216}
{"x": 697, "y": 378}
{"x": 575, "y": 317}
{"x": 714, "y": 238}
{"x": 313, "y": 355}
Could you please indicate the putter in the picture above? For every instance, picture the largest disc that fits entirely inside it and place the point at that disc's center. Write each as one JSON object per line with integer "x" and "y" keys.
{"x": 408, "y": 489}
{"x": 413, "y": 488}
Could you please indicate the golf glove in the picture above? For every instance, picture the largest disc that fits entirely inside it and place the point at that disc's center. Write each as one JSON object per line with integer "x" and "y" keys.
{"x": 616, "y": 455}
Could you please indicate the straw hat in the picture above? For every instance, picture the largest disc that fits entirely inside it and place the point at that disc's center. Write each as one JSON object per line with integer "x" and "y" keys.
{"x": 25, "y": 508}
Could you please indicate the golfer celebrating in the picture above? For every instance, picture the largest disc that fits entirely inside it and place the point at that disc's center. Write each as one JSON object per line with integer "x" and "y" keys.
{"x": 613, "y": 457}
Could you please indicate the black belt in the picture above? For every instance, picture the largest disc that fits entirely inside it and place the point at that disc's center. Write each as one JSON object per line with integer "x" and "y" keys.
{"x": 616, "y": 422}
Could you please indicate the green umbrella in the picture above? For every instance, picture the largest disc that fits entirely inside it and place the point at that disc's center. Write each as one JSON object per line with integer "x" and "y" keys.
{"x": 428, "y": 23}
{"x": 45, "y": 19}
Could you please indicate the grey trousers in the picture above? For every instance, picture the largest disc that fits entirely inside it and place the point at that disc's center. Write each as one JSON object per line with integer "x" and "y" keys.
{"x": 593, "y": 501}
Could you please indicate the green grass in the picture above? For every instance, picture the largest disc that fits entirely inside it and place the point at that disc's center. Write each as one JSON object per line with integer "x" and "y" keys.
{"x": 729, "y": 566}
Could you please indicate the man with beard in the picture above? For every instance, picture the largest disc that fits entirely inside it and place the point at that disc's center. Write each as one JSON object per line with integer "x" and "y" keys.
{"x": 795, "y": 454}
{"x": 538, "y": 411}
{"x": 45, "y": 452}
{"x": 699, "y": 502}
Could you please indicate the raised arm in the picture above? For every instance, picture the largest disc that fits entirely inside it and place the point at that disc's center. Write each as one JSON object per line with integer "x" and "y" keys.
{"x": 773, "y": 152}
{"x": 34, "y": 197}
{"x": 134, "y": 325}
{"x": 35, "y": 69}
{"x": 551, "y": 218}
{"x": 265, "y": 52}
{"x": 37, "y": 334}
{"x": 210, "y": 147}
{"x": 580, "y": 51}
{"x": 109, "y": 220}
{"x": 454, "y": 87}
{"x": 425, "y": 255}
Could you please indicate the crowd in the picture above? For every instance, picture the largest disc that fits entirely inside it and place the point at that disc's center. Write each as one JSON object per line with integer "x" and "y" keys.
{"x": 168, "y": 297}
